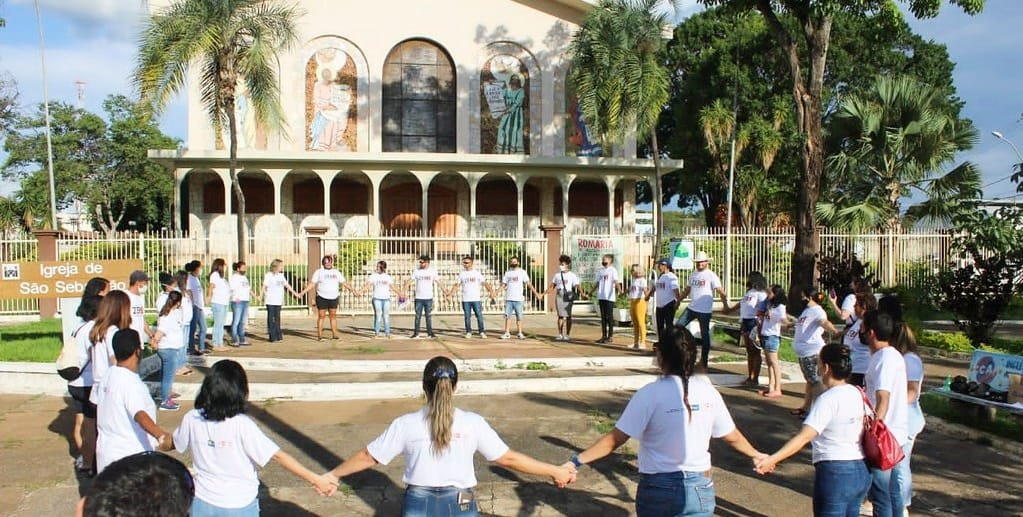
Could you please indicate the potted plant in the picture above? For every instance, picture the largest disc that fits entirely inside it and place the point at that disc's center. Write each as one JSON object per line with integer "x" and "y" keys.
{"x": 621, "y": 312}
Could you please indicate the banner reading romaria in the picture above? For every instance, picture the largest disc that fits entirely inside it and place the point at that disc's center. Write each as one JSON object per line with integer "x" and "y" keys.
{"x": 61, "y": 279}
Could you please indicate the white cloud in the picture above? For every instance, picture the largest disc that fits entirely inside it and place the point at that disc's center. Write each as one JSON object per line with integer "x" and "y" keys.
{"x": 105, "y": 19}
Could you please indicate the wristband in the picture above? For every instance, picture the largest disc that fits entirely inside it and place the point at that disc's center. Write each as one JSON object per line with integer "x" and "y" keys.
{"x": 575, "y": 461}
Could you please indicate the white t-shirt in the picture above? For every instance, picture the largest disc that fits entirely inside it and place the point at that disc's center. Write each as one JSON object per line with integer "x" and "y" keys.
{"x": 381, "y": 283}
{"x": 471, "y": 282}
{"x": 195, "y": 289}
{"x": 809, "y": 336}
{"x": 669, "y": 441}
{"x": 274, "y": 283}
{"x": 409, "y": 435}
{"x": 138, "y": 314}
{"x": 914, "y": 373}
{"x": 515, "y": 281}
{"x": 171, "y": 327}
{"x": 773, "y": 318}
{"x": 887, "y": 372}
{"x": 102, "y": 354}
{"x": 124, "y": 396}
{"x": 85, "y": 353}
{"x": 569, "y": 281}
{"x": 702, "y": 285}
{"x": 750, "y": 301}
{"x": 637, "y": 288}
{"x": 849, "y": 305}
{"x": 859, "y": 352}
{"x": 607, "y": 279}
{"x": 664, "y": 289}
{"x": 837, "y": 416}
{"x": 328, "y": 283}
{"x": 221, "y": 289}
{"x": 226, "y": 455}
{"x": 424, "y": 279}
{"x": 241, "y": 291}
{"x": 185, "y": 307}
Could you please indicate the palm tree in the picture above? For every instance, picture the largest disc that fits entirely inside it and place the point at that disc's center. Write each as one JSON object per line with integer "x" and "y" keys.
{"x": 231, "y": 42}
{"x": 894, "y": 138}
{"x": 618, "y": 73}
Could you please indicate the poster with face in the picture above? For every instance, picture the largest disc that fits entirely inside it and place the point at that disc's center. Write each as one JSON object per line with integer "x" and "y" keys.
{"x": 504, "y": 106}
{"x": 331, "y": 101}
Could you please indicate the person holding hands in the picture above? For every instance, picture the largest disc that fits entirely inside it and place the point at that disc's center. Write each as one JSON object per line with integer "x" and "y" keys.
{"x": 515, "y": 282}
{"x": 609, "y": 286}
{"x": 703, "y": 283}
{"x": 328, "y": 282}
{"x": 472, "y": 283}
{"x": 274, "y": 285}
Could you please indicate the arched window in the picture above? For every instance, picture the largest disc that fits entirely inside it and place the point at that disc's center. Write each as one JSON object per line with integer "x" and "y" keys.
{"x": 419, "y": 99}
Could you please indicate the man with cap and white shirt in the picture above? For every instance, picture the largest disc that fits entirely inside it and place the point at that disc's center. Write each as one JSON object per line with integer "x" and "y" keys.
{"x": 702, "y": 285}
{"x": 424, "y": 278}
{"x": 138, "y": 282}
{"x": 666, "y": 296}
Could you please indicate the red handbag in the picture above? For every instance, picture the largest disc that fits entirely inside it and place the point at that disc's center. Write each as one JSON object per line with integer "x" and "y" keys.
{"x": 880, "y": 448}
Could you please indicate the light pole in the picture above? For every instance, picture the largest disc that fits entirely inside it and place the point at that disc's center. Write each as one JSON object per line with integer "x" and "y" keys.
{"x": 46, "y": 117}
{"x": 1000, "y": 136}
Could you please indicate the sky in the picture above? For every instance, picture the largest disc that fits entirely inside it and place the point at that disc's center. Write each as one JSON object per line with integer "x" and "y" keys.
{"x": 93, "y": 41}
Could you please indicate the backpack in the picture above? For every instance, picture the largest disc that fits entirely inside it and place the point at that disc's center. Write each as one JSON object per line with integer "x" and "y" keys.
{"x": 69, "y": 362}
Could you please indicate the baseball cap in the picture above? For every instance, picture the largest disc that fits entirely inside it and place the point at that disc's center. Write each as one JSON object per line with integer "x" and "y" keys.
{"x": 138, "y": 276}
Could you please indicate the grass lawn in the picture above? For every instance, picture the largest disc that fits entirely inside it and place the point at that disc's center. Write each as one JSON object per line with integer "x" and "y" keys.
{"x": 38, "y": 341}
{"x": 1003, "y": 425}
{"x": 785, "y": 351}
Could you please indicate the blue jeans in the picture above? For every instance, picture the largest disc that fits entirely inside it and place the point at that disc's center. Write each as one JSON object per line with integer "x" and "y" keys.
{"x": 424, "y": 501}
{"x": 273, "y": 323}
{"x": 168, "y": 366}
{"x": 201, "y": 508}
{"x": 219, "y": 316}
{"x": 704, "y": 319}
{"x": 197, "y": 330}
{"x": 421, "y": 307}
{"x": 839, "y": 487}
{"x": 382, "y": 316}
{"x": 467, "y": 309}
{"x": 916, "y": 424}
{"x": 675, "y": 493}
{"x": 886, "y": 491}
{"x": 239, "y": 315}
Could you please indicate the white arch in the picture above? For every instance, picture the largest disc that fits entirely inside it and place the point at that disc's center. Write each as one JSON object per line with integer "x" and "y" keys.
{"x": 297, "y": 103}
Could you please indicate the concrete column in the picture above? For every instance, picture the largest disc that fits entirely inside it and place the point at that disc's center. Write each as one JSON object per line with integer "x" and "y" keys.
{"x": 277, "y": 177}
{"x": 177, "y": 214}
{"x": 225, "y": 177}
{"x": 610, "y": 182}
{"x": 520, "y": 187}
{"x": 314, "y": 234}
{"x": 547, "y": 214}
{"x": 327, "y": 177}
{"x": 566, "y": 185}
{"x": 47, "y": 252}
{"x": 474, "y": 179}
{"x": 425, "y": 178}
{"x": 554, "y": 234}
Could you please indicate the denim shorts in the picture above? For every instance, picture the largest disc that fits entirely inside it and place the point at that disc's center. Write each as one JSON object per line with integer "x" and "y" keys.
{"x": 675, "y": 493}
{"x": 771, "y": 343}
{"x": 512, "y": 309}
{"x": 808, "y": 365}
{"x": 427, "y": 501}
{"x": 201, "y": 508}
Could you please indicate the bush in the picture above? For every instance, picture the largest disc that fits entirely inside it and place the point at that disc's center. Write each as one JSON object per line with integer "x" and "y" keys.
{"x": 951, "y": 341}
{"x": 840, "y": 268}
{"x": 977, "y": 291}
{"x": 354, "y": 255}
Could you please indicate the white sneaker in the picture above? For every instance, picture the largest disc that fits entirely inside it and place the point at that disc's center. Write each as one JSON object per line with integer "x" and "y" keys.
{"x": 521, "y": 336}
{"x": 468, "y": 335}
{"x": 560, "y": 338}
{"x": 483, "y": 335}
{"x": 505, "y": 336}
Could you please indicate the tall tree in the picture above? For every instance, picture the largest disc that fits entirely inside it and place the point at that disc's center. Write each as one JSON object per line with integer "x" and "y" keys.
{"x": 619, "y": 76}
{"x": 893, "y": 138}
{"x": 8, "y": 103}
{"x": 230, "y": 42}
{"x": 805, "y": 45}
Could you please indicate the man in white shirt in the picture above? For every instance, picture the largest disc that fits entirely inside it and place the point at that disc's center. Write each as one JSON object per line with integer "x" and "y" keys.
{"x": 703, "y": 283}
{"x": 424, "y": 278}
{"x": 666, "y": 295}
{"x": 126, "y": 415}
{"x": 472, "y": 283}
{"x": 515, "y": 281}
{"x": 886, "y": 389}
{"x": 609, "y": 285}
{"x": 138, "y": 282}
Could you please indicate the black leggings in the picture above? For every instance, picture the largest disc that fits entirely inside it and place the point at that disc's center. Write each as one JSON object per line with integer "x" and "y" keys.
{"x": 665, "y": 317}
{"x": 607, "y": 322}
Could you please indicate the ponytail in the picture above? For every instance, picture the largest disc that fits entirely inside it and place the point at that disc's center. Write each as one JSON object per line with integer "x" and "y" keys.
{"x": 439, "y": 380}
{"x": 173, "y": 302}
{"x": 677, "y": 356}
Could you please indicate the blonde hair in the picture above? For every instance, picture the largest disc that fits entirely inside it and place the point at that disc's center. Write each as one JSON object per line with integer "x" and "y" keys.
{"x": 439, "y": 380}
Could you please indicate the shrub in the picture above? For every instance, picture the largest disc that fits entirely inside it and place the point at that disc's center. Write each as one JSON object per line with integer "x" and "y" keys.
{"x": 952, "y": 341}
{"x": 840, "y": 267}
{"x": 977, "y": 291}
{"x": 353, "y": 255}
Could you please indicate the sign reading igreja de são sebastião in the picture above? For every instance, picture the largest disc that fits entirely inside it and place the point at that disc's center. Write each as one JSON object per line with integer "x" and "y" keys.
{"x": 61, "y": 279}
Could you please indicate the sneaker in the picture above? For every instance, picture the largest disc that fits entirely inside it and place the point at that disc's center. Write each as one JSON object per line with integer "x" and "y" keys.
{"x": 505, "y": 336}
{"x": 483, "y": 335}
{"x": 432, "y": 336}
{"x": 560, "y": 338}
{"x": 79, "y": 461}
{"x": 522, "y": 336}
{"x": 414, "y": 336}
{"x": 170, "y": 405}
{"x": 468, "y": 335}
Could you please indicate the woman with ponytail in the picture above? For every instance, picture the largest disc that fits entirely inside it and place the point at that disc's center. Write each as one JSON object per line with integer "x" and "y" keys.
{"x": 834, "y": 427}
{"x": 673, "y": 418}
{"x": 438, "y": 443}
{"x": 807, "y": 342}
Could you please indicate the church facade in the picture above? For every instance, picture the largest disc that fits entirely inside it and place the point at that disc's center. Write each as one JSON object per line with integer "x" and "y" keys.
{"x": 445, "y": 118}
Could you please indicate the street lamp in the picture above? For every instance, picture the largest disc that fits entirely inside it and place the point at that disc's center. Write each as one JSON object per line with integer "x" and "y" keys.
{"x": 46, "y": 116}
{"x": 1000, "y": 136}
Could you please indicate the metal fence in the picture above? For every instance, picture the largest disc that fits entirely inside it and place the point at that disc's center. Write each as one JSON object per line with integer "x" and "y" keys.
{"x": 19, "y": 248}
{"x": 357, "y": 258}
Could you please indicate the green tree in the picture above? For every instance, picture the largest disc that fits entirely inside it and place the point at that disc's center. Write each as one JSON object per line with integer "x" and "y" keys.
{"x": 804, "y": 37}
{"x": 893, "y": 138}
{"x": 231, "y": 42}
{"x": 8, "y": 103}
{"x": 619, "y": 76}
